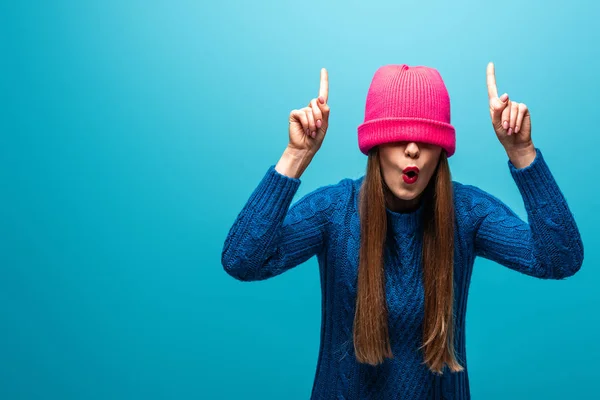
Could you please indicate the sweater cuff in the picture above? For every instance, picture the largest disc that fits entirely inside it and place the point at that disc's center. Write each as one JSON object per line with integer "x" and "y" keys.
{"x": 274, "y": 193}
{"x": 535, "y": 181}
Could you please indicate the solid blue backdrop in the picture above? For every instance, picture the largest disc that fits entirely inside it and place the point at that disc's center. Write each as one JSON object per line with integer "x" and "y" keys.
{"x": 134, "y": 132}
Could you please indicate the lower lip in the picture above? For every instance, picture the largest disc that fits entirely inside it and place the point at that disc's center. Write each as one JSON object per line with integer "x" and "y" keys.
{"x": 410, "y": 180}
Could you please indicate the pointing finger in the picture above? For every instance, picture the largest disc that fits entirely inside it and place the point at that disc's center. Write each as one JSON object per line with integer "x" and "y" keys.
{"x": 324, "y": 87}
{"x": 491, "y": 81}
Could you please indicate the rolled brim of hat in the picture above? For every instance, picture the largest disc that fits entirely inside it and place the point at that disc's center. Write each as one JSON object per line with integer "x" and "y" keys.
{"x": 387, "y": 130}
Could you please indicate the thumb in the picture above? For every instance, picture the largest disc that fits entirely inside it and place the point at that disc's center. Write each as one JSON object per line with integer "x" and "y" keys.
{"x": 497, "y": 105}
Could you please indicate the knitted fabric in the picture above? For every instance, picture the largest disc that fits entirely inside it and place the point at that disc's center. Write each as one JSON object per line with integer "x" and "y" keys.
{"x": 269, "y": 237}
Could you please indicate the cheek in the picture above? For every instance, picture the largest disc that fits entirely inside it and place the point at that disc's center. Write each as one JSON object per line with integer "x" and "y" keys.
{"x": 427, "y": 178}
{"x": 392, "y": 175}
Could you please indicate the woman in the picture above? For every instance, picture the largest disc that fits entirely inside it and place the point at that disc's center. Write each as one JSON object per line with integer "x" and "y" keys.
{"x": 396, "y": 247}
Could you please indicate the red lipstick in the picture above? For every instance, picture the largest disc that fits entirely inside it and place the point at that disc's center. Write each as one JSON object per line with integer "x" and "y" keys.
{"x": 410, "y": 174}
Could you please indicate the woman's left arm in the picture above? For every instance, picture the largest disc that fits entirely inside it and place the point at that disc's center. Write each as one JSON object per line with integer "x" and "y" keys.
{"x": 550, "y": 245}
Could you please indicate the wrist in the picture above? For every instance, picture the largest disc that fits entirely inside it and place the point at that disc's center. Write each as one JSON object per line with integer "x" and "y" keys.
{"x": 293, "y": 162}
{"x": 521, "y": 156}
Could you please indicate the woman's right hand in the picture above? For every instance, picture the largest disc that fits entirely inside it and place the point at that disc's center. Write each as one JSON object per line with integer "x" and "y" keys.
{"x": 308, "y": 125}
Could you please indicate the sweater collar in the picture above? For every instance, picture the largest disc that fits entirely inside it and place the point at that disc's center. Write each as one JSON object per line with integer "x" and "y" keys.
{"x": 404, "y": 223}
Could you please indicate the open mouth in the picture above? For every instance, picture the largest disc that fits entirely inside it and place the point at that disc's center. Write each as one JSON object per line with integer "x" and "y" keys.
{"x": 410, "y": 175}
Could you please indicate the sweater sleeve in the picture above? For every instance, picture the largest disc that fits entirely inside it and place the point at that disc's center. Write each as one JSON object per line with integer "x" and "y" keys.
{"x": 548, "y": 246}
{"x": 268, "y": 237}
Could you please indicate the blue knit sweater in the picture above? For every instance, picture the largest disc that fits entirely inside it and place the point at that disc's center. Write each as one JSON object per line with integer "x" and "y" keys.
{"x": 269, "y": 237}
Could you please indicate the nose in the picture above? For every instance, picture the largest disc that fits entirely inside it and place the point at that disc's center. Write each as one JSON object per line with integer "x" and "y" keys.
{"x": 411, "y": 150}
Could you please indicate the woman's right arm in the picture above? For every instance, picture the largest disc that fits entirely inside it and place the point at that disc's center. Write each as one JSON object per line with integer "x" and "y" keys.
{"x": 266, "y": 238}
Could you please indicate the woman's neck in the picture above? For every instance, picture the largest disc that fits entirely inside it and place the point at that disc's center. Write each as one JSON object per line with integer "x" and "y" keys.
{"x": 396, "y": 204}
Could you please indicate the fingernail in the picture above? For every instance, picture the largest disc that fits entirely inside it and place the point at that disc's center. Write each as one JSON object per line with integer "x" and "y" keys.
{"x": 510, "y": 131}
{"x": 504, "y": 97}
{"x": 318, "y": 123}
{"x": 321, "y": 99}
{"x": 517, "y": 129}
{"x": 505, "y": 124}
{"x": 307, "y": 131}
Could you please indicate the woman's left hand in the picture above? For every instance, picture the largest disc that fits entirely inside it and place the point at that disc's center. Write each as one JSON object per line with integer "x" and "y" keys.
{"x": 511, "y": 121}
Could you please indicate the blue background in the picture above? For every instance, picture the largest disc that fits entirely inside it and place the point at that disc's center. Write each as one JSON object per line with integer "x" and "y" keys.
{"x": 134, "y": 132}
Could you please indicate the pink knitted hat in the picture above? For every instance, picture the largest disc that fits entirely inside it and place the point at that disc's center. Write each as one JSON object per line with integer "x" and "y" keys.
{"x": 407, "y": 103}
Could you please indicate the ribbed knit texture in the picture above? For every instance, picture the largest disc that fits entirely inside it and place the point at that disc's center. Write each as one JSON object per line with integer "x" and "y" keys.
{"x": 269, "y": 237}
{"x": 407, "y": 103}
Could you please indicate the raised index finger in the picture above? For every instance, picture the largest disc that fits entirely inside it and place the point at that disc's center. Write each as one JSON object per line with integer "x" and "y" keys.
{"x": 324, "y": 87}
{"x": 491, "y": 81}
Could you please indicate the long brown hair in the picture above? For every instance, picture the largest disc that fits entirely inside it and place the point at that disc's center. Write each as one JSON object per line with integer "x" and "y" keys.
{"x": 371, "y": 336}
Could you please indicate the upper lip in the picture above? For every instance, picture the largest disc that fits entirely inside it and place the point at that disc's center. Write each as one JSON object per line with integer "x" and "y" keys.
{"x": 411, "y": 168}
